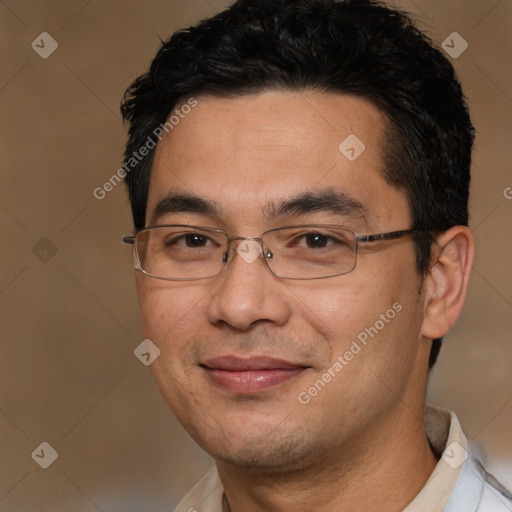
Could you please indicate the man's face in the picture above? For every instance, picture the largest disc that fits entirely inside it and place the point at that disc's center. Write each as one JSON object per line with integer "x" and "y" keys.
{"x": 240, "y": 352}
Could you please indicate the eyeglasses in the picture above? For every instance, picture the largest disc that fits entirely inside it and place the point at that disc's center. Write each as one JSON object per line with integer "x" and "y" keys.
{"x": 181, "y": 252}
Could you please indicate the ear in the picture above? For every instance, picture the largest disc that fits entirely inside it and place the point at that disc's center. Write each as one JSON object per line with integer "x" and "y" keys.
{"x": 447, "y": 281}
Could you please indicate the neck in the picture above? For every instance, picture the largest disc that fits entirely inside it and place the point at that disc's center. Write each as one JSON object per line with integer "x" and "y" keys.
{"x": 383, "y": 469}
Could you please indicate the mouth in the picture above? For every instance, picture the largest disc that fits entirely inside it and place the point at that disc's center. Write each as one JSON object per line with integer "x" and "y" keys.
{"x": 250, "y": 375}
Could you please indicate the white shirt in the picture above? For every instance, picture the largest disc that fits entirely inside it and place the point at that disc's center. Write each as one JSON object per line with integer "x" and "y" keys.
{"x": 459, "y": 483}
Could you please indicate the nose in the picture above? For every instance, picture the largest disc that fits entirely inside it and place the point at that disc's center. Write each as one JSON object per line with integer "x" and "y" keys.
{"x": 247, "y": 291}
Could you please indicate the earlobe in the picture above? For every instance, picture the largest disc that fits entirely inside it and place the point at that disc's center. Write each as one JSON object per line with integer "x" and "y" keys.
{"x": 447, "y": 281}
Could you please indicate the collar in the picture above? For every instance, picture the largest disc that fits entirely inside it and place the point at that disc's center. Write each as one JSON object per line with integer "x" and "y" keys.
{"x": 450, "y": 444}
{"x": 455, "y": 475}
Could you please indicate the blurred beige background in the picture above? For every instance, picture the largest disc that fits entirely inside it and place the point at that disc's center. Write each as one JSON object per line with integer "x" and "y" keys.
{"x": 68, "y": 311}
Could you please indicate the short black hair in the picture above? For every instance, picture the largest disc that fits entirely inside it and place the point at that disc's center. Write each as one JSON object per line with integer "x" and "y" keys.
{"x": 357, "y": 47}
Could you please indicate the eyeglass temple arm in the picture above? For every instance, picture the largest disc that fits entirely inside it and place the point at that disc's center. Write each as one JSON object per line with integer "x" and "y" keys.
{"x": 387, "y": 236}
{"x": 130, "y": 239}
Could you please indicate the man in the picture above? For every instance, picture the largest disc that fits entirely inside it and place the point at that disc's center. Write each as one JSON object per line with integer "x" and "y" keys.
{"x": 299, "y": 175}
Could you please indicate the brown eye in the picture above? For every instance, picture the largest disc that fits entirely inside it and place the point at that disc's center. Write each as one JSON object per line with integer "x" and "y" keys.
{"x": 316, "y": 240}
{"x": 190, "y": 240}
{"x": 195, "y": 240}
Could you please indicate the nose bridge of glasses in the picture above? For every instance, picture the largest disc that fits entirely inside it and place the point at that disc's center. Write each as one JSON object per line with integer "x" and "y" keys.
{"x": 248, "y": 248}
{"x": 246, "y": 238}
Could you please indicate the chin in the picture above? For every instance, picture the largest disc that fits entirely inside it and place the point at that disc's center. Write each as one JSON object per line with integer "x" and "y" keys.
{"x": 262, "y": 449}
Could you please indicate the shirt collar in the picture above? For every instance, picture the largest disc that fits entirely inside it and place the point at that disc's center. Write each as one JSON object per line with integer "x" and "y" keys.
{"x": 450, "y": 444}
{"x": 445, "y": 436}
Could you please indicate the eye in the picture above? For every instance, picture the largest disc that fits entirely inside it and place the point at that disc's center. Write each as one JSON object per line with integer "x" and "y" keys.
{"x": 314, "y": 241}
{"x": 191, "y": 240}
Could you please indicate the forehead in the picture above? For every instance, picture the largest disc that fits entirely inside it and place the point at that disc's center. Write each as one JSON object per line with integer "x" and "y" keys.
{"x": 245, "y": 151}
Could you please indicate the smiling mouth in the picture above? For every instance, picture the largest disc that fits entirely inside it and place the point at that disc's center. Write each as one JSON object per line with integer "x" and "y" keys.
{"x": 250, "y": 375}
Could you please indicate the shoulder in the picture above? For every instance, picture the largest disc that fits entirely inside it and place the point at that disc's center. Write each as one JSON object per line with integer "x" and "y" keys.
{"x": 478, "y": 491}
{"x": 495, "y": 497}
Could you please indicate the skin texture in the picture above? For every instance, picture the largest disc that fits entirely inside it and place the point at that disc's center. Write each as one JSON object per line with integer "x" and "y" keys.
{"x": 359, "y": 444}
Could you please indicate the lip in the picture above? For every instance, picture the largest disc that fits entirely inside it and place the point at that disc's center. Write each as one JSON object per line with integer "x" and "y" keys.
{"x": 250, "y": 375}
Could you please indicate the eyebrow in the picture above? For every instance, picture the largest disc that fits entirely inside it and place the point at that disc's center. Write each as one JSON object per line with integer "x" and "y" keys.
{"x": 326, "y": 200}
{"x": 184, "y": 203}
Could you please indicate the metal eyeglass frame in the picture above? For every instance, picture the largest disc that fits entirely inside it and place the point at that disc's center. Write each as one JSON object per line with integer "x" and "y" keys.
{"x": 391, "y": 235}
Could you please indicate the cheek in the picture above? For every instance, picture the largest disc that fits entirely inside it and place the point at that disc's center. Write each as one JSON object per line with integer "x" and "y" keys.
{"x": 362, "y": 308}
{"x": 170, "y": 315}
{"x": 338, "y": 309}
